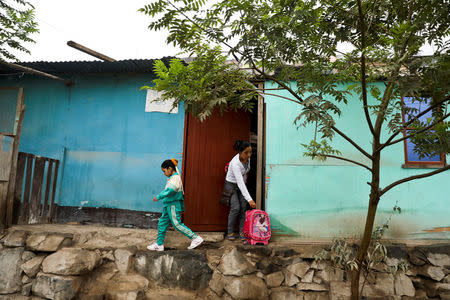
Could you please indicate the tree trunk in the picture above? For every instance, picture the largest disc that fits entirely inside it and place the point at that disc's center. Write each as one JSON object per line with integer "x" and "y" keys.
{"x": 370, "y": 219}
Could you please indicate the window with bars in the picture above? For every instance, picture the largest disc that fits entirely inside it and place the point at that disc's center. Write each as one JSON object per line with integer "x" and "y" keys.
{"x": 411, "y": 157}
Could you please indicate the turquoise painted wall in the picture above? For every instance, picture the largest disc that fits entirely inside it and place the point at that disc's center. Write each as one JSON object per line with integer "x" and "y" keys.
{"x": 110, "y": 148}
{"x": 329, "y": 199}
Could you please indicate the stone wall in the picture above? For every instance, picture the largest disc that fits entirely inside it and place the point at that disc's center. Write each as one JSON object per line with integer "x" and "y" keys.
{"x": 50, "y": 266}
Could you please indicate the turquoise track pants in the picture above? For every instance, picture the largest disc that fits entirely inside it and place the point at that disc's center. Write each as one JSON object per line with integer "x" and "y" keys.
{"x": 171, "y": 215}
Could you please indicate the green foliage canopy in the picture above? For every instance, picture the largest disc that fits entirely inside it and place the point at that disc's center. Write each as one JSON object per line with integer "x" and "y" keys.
{"x": 298, "y": 41}
{"x": 16, "y": 27}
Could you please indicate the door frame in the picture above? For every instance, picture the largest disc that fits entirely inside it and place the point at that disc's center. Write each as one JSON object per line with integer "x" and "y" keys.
{"x": 261, "y": 151}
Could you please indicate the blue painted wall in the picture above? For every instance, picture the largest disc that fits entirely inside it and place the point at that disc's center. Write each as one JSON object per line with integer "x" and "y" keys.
{"x": 110, "y": 148}
{"x": 329, "y": 199}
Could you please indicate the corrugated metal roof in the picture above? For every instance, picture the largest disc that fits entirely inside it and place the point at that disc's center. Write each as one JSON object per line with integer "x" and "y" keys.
{"x": 76, "y": 67}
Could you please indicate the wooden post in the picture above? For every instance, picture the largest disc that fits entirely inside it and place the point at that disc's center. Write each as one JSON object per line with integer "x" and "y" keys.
{"x": 24, "y": 217}
{"x": 47, "y": 191}
{"x": 89, "y": 51}
{"x": 14, "y": 157}
{"x": 36, "y": 190}
{"x": 259, "y": 149}
{"x": 37, "y": 72}
{"x": 52, "y": 202}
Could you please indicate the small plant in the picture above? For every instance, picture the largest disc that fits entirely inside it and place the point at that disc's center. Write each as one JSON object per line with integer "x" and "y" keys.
{"x": 402, "y": 265}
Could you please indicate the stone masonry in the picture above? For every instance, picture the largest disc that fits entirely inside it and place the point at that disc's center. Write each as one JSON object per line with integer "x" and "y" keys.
{"x": 51, "y": 266}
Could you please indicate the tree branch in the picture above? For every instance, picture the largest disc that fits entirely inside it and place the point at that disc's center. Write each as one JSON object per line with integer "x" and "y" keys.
{"x": 363, "y": 67}
{"x": 286, "y": 98}
{"x": 346, "y": 159}
{"x": 388, "y": 142}
{"x": 285, "y": 86}
{"x": 351, "y": 142}
{"x": 416, "y": 132}
{"x": 413, "y": 177}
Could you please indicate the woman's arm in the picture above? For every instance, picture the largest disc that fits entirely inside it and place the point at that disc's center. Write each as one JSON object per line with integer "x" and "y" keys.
{"x": 240, "y": 182}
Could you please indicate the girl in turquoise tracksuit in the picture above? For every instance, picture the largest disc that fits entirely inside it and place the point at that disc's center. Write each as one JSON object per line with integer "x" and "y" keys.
{"x": 173, "y": 205}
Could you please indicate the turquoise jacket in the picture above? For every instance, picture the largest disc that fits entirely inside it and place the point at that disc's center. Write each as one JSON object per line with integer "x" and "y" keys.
{"x": 173, "y": 192}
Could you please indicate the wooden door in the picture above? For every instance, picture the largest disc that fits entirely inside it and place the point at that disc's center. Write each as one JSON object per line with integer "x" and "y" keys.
{"x": 208, "y": 148}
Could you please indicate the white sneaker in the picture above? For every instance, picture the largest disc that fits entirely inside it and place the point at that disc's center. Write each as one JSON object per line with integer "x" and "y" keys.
{"x": 155, "y": 247}
{"x": 196, "y": 242}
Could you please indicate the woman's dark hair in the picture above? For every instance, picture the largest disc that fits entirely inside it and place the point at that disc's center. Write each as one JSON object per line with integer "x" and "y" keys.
{"x": 240, "y": 146}
{"x": 169, "y": 163}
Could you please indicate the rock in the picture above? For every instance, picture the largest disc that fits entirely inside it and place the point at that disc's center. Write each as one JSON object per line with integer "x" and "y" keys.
{"x": 290, "y": 279}
{"x": 27, "y": 255}
{"x": 308, "y": 278}
{"x": 285, "y": 293}
{"x": 260, "y": 275}
{"x": 446, "y": 279}
{"x": 420, "y": 294}
{"x": 439, "y": 259}
{"x": 108, "y": 255}
{"x": 316, "y": 296}
{"x": 435, "y": 273}
{"x": 267, "y": 266}
{"x": 26, "y": 289}
{"x": 124, "y": 295}
{"x": 26, "y": 279}
{"x": 214, "y": 256}
{"x": 319, "y": 265}
{"x": 45, "y": 242}
{"x": 419, "y": 255}
{"x": 330, "y": 273}
{"x": 15, "y": 238}
{"x": 32, "y": 266}
{"x": 56, "y": 287}
{"x": 96, "y": 282}
{"x": 10, "y": 261}
{"x": 17, "y": 297}
{"x": 303, "y": 286}
{"x": 384, "y": 286}
{"x": 285, "y": 252}
{"x": 299, "y": 268}
{"x": 126, "y": 287}
{"x": 235, "y": 264}
{"x": 179, "y": 268}
{"x": 392, "y": 262}
{"x": 123, "y": 259}
{"x": 340, "y": 290}
{"x": 274, "y": 279}
{"x": 247, "y": 287}
{"x": 254, "y": 252}
{"x": 286, "y": 261}
{"x": 217, "y": 283}
{"x": 317, "y": 280}
{"x": 403, "y": 285}
{"x": 70, "y": 261}
{"x": 398, "y": 251}
{"x": 435, "y": 288}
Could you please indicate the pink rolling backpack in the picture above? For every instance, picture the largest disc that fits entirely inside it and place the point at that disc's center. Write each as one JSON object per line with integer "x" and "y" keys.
{"x": 257, "y": 227}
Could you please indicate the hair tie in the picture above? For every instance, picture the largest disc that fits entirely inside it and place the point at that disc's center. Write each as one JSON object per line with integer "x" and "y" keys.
{"x": 175, "y": 162}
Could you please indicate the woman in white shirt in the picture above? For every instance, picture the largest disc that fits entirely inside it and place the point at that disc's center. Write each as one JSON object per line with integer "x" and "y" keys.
{"x": 235, "y": 179}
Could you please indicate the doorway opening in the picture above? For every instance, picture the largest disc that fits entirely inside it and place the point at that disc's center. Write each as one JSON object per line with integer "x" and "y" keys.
{"x": 208, "y": 147}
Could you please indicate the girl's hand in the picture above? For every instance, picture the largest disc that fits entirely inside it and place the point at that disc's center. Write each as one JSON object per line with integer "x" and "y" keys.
{"x": 252, "y": 204}
{"x": 154, "y": 199}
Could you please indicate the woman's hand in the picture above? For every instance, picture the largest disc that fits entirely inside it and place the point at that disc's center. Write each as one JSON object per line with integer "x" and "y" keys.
{"x": 252, "y": 203}
{"x": 154, "y": 199}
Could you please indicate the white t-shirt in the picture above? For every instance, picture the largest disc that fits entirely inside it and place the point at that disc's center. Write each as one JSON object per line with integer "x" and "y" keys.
{"x": 237, "y": 173}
